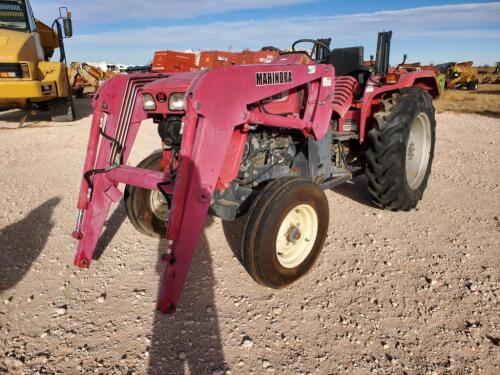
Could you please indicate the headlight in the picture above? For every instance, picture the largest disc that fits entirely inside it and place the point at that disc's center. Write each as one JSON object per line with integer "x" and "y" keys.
{"x": 149, "y": 102}
{"x": 176, "y": 101}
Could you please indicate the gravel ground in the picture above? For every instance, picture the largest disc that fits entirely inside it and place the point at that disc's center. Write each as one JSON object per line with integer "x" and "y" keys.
{"x": 392, "y": 293}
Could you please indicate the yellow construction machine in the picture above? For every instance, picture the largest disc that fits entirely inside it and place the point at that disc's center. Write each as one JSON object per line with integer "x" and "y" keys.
{"x": 462, "y": 76}
{"x": 28, "y": 79}
{"x": 85, "y": 79}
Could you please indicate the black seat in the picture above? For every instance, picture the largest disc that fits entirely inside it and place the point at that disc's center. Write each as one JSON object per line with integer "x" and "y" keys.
{"x": 347, "y": 61}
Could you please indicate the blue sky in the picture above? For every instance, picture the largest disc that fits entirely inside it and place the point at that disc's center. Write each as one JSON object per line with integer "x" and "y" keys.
{"x": 129, "y": 31}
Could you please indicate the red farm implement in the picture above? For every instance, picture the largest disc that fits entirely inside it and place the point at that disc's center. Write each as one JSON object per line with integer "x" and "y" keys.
{"x": 257, "y": 57}
{"x": 217, "y": 59}
{"x": 172, "y": 61}
{"x": 261, "y": 141}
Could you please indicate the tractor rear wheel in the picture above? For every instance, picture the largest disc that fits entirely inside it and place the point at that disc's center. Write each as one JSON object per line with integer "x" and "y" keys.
{"x": 401, "y": 150}
{"x": 148, "y": 210}
{"x": 285, "y": 231}
{"x": 62, "y": 109}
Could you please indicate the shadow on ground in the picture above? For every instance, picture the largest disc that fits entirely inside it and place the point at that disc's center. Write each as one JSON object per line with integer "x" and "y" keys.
{"x": 233, "y": 231}
{"x": 492, "y": 92}
{"x": 487, "y": 113}
{"x": 357, "y": 190}
{"x": 492, "y": 114}
{"x": 83, "y": 108}
{"x": 187, "y": 342}
{"x": 111, "y": 226}
{"x": 12, "y": 118}
{"x": 23, "y": 242}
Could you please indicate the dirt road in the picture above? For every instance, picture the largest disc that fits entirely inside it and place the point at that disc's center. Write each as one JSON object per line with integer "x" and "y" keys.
{"x": 392, "y": 293}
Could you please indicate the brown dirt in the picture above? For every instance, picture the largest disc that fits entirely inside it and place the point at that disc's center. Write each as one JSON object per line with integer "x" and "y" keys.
{"x": 392, "y": 293}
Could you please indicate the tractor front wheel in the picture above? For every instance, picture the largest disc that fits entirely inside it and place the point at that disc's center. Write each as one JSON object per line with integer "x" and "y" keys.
{"x": 401, "y": 150}
{"x": 148, "y": 210}
{"x": 285, "y": 231}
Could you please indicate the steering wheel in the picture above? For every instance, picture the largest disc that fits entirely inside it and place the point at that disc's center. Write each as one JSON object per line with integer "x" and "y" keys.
{"x": 317, "y": 44}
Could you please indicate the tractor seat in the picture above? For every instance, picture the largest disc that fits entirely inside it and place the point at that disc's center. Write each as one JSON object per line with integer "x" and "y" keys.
{"x": 349, "y": 62}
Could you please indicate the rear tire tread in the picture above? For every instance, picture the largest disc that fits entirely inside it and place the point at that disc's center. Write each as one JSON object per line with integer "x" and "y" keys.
{"x": 386, "y": 156}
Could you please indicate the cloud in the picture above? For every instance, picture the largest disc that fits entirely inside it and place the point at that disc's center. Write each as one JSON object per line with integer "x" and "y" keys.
{"x": 104, "y": 11}
{"x": 441, "y": 26}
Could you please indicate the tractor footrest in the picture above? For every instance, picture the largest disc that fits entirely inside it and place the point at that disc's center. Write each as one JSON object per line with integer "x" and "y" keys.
{"x": 344, "y": 136}
{"x": 336, "y": 180}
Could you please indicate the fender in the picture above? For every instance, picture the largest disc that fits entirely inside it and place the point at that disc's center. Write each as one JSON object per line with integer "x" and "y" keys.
{"x": 424, "y": 79}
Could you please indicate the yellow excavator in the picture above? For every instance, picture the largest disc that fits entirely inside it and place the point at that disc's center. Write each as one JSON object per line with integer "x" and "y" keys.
{"x": 28, "y": 79}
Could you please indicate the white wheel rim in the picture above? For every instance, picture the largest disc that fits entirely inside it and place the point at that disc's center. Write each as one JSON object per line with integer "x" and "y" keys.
{"x": 296, "y": 236}
{"x": 418, "y": 150}
{"x": 158, "y": 205}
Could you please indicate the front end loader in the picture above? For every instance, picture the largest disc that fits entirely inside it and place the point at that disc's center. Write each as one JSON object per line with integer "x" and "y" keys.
{"x": 260, "y": 141}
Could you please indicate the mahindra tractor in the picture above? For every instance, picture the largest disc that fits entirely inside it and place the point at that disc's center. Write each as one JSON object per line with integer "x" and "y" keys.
{"x": 261, "y": 142}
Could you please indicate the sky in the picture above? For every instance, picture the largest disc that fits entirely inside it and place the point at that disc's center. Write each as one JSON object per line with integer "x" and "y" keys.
{"x": 129, "y": 31}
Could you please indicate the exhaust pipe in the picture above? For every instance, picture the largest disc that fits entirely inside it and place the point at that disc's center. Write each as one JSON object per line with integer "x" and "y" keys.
{"x": 383, "y": 51}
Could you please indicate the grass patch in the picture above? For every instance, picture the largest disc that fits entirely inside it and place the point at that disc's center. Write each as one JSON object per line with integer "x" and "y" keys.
{"x": 486, "y": 101}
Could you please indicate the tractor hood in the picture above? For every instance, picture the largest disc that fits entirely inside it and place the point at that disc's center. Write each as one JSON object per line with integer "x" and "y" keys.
{"x": 162, "y": 89}
{"x": 16, "y": 46}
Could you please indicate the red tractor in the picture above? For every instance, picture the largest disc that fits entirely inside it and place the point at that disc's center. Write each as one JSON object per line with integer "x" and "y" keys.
{"x": 263, "y": 141}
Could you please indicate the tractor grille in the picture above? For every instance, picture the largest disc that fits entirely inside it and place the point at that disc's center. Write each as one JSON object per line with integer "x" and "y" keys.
{"x": 11, "y": 70}
{"x": 132, "y": 90}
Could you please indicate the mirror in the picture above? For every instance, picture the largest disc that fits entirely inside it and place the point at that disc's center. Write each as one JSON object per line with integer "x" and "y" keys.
{"x": 65, "y": 16}
{"x": 68, "y": 27}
